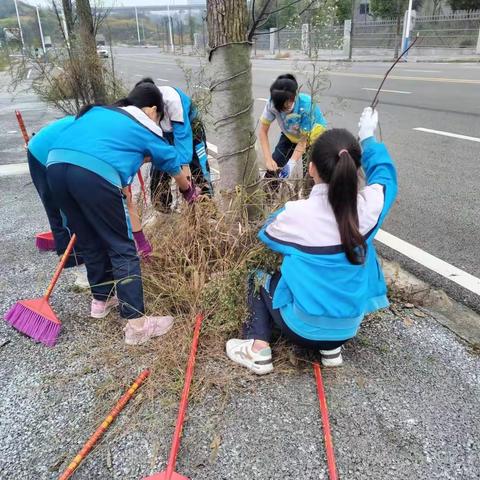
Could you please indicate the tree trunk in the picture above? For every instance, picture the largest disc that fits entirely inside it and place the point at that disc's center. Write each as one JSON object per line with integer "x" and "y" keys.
{"x": 231, "y": 89}
{"x": 68, "y": 13}
{"x": 88, "y": 51}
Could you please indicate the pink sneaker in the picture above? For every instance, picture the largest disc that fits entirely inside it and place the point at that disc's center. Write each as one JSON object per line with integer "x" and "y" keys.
{"x": 101, "y": 309}
{"x": 140, "y": 330}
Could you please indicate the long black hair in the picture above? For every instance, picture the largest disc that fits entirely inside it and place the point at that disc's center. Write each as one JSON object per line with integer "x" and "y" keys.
{"x": 144, "y": 94}
{"x": 282, "y": 90}
{"x": 337, "y": 156}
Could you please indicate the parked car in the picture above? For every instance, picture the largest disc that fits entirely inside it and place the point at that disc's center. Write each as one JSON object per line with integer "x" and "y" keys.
{"x": 102, "y": 52}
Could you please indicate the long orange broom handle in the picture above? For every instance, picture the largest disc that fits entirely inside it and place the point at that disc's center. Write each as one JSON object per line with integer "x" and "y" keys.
{"x": 60, "y": 266}
{"x": 104, "y": 426}
{"x": 172, "y": 459}
{"x": 22, "y": 126}
{"x": 332, "y": 468}
{"x": 142, "y": 185}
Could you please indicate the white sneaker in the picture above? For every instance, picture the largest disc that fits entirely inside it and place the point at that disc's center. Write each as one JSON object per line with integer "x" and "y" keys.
{"x": 332, "y": 358}
{"x": 240, "y": 351}
{"x": 81, "y": 279}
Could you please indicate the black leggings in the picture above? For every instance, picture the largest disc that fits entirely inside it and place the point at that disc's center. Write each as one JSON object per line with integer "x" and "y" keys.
{"x": 263, "y": 318}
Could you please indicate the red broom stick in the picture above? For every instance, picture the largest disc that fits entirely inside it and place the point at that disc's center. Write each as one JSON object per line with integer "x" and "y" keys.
{"x": 169, "y": 473}
{"x": 119, "y": 406}
{"x": 21, "y": 124}
{"x": 35, "y": 317}
{"x": 43, "y": 241}
{"x": 332, "y": 469}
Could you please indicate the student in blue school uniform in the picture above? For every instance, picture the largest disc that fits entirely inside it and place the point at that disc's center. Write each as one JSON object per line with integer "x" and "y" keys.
{"x": 300, "y": 121}
{"x": 87, "y": 168}
{"x": 37, "y": 153}
{"x": 182, "y": 127}
{"x": 330, "y": 277}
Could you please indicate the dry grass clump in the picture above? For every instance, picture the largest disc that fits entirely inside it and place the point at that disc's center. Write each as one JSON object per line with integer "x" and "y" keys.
{"x": 202, "y": 259}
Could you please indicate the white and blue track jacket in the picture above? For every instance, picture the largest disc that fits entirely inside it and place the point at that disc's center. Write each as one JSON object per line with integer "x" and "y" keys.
{"x": 321, "y": 295}
{"x": 112, "y": 142}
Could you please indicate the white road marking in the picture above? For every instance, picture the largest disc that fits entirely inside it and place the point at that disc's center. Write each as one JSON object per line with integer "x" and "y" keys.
{"x": 447, "y": 134}
{"x": 419, "y": 71}
{"x": 138, "y": 75}
{"x": 212, "y": 147}
{"x": 11, "y": 132}
{"x": 387, "y": 91}
{"x": 262, "y": 99}
{"x": 13, "y": 169}
{"x": 28, "y": 74}
{"x": 162, "y": 80}
{"x": 431, "y": 262}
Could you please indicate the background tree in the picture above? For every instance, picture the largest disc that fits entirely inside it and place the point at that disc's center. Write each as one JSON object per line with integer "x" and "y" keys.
{"x": 393, "y": 9}
{"x": 464, "y": 4}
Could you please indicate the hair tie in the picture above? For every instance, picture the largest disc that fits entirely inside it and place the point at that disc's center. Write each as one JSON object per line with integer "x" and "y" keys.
{"x": 343, "y": 150}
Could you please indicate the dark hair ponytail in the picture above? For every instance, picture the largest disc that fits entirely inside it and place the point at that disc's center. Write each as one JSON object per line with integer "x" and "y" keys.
{"x": 144, "y": 94}
{"x": 342, "y": 195}
{"x": 336, "y": 155}
{"x": 87, "y": 108}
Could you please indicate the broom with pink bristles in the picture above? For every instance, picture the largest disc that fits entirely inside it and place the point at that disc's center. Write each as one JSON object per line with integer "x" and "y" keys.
{"x": 43, "y": 241}
{"x": 35, "y": 317}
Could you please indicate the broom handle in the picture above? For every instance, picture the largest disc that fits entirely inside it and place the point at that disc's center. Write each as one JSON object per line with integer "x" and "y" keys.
{"x": 60, "y": 266}
{"x": 142, "y": 185}
{"x": 172, "y": 459}
{"x": 104, "y": 425}
{"x": 21, "y": 124}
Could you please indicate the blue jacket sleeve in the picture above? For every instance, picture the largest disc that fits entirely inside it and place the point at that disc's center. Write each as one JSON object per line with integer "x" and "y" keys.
{"x": 183, "y": 137}
{"x": 379, "y": 168}
{"x": 164, "y": 156}
{"x": 266, "y": 239}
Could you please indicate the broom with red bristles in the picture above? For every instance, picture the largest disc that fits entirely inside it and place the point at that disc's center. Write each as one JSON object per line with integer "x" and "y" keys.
{"x": 43, "y": 241}
{"x": 35, "y": 317}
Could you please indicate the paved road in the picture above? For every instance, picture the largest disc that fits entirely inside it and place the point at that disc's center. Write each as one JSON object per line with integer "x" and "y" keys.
{"x": 439, "y": 204}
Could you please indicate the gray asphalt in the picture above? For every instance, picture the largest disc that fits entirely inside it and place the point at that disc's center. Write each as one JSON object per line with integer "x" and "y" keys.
{"x": 438, "y": 209}
{"x": 405, "y": 405}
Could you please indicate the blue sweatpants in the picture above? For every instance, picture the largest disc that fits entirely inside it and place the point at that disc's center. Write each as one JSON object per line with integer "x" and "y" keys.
{"x": 264, "y": 319}
{"x": 61, "y": 233}
{"x": 97, "y": 213}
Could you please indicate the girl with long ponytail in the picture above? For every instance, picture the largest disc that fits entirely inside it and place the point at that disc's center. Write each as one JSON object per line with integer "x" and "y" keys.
{"x": 330, "y": 277}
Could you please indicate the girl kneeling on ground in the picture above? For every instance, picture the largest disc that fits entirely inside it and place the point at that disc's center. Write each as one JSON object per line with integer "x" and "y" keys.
{"x": 330, "y": 276}
{"x": 87, "y": 167}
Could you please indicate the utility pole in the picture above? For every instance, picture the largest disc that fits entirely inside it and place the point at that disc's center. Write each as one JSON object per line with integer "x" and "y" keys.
{"x": 352, "y": 24}
{"x": 170, "y": 28}
{"x": 41, "y": 31}
{"x": 406, "y": 41}
{"x": 19, "y": 24}
{"x": 138, "y": 27}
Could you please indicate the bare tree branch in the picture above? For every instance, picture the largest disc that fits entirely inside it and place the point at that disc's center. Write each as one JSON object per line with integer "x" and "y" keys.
{"x": 251, "y": 33}
{"x": 284, "y": 7}
{"x": 285, "y": 26}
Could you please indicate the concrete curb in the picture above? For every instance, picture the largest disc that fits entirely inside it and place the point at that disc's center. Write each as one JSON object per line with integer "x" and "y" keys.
{"x": 458, "y": 318}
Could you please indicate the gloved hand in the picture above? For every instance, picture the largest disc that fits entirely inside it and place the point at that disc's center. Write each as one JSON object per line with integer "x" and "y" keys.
{"x": 144, "y": 248}
{"x": 286, "y": 170}
{"x": 191, "y": 195}
{"x": 367, "y": 124}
